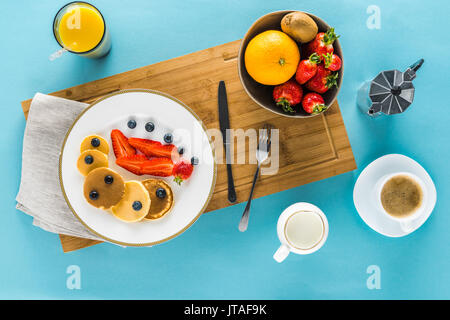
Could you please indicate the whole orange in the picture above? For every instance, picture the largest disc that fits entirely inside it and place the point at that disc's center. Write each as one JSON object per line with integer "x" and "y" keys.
{"x": 272, "y": 57}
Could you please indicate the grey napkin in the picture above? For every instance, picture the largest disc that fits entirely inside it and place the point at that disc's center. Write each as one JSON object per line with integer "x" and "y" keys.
{"x": 40, "y": 194}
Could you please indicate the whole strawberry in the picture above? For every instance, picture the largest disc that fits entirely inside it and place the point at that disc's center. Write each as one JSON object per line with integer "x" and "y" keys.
{"x": 182, "y": 171}
{"x": 322, "y": 43}
{"x": 287, "y": 95}
{"x": 313, "y": 103}
{"x": 307, "y": 68}
{"x": 332, "y": 61}
{"x": 323, "y": 80}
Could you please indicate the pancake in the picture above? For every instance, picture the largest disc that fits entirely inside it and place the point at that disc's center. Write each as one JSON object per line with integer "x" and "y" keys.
{"x": 90, "y": 143}
{"x": 159, "y": 205}
{"x": 103, "y": 188}
{"x": 90, "y": 160}
{"x": 135, "y": 203}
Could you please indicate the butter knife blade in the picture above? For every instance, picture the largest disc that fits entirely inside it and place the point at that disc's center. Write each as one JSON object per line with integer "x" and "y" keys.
{"x": 224, "y": 123}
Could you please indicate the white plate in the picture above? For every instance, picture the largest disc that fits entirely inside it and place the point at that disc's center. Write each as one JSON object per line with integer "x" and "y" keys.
{"x": 364, "y": 195}
{"x": 169, "y": 115}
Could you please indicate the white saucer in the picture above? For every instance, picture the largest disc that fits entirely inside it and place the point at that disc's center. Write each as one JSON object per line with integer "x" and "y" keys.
{"x": 364, "y": 194}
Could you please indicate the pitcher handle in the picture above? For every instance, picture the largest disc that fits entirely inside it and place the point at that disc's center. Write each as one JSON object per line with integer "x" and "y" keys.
{"x": 281, "y": 253}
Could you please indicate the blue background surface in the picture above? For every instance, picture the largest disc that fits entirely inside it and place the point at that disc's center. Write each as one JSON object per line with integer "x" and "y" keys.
{"x": 213, "y": 260}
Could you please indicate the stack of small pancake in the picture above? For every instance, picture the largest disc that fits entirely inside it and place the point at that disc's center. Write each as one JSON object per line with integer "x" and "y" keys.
{"x": 129, "y": 201}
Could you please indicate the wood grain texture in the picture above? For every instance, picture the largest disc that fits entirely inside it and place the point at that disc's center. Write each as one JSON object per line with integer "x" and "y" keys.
{"x": 309, "y": 149}
{"x": 70, "y": 243}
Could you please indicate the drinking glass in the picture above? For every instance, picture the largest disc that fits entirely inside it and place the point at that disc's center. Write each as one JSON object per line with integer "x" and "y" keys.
{"x": 80, "y": 28}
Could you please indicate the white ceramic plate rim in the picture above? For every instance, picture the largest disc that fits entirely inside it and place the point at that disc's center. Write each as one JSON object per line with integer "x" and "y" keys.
{"x": 175, "y": 233}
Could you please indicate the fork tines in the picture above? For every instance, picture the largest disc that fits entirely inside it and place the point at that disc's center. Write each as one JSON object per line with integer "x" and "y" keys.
{"x": 264, "y": 137}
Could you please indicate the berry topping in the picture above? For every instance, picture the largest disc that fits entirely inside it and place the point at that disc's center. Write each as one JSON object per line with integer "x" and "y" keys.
{"x": 153, "y": 148}
{"x": 168, "y": 138}
{"x": 161, "y": 193}
{"x": 139, "y": 165}
{"x": 149, "y": 126}
{"x": 137, "y": 205}
{"x": 180, "y": 150}
{"x": 93, "y": 195}
{"x": 109, "y": 179}
{"x": 182, "y": 171}
{"x": 131, "y": 124}
{"x": 120, "y": 144}
{"x": 95, "y": 142}
{"x": 89, "y": 159}
{"x": 194, "y": 161}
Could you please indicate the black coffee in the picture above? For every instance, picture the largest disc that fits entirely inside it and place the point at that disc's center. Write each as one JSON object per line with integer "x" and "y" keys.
{"x": 401, "y": 196}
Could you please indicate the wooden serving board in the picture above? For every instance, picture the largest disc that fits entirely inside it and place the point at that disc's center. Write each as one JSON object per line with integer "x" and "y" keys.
{"x": 310, "y": 149}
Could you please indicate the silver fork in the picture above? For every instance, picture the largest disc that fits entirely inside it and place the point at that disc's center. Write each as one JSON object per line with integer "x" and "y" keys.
{"x": 262, "y": 153}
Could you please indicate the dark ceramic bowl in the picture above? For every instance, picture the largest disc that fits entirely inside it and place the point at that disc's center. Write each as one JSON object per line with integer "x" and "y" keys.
{"x": 262, "y": 94}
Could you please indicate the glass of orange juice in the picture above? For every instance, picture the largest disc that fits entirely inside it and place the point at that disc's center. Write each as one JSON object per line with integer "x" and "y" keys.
{"x": 80, "y": 28}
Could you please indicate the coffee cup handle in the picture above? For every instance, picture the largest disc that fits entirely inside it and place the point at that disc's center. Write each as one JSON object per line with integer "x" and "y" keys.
{"x": 281, "y": 253}
{"x": 407, "y": 226}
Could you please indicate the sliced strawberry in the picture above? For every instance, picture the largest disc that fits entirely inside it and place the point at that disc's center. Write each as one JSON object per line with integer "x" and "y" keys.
{"x": 120, "y": 144}
{"x": 132, "y": 163}
{"x": 161, "y": 167}
{"x": 182, "y": 171}
{"x": 153, "y": 148}
{"x": 140, "y": 165}
{"x": 144, "y": 142}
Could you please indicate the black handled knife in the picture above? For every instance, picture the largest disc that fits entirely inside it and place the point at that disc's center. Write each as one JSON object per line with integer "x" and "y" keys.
{"x": 224, "y": 123}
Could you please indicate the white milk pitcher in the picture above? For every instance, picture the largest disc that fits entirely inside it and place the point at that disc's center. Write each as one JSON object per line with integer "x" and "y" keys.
{"x": 302, "y": 229}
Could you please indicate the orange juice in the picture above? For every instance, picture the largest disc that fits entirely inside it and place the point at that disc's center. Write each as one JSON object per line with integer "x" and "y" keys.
{"x": 79, "y": 28}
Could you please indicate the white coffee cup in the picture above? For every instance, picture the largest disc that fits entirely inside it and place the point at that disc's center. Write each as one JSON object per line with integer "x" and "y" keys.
{"x": 407, "y": 222}
{"x": 302, "y": 229}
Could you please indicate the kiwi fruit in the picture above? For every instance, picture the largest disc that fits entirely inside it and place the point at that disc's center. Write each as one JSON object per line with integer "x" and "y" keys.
{"x": 299, "y": 26}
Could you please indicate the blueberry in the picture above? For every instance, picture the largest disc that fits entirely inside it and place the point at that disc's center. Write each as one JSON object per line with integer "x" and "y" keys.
{"x": 131, "y": 124}
{"x": 89, "y": 159}
{"x": 161, "y": 193}
{"x": 95, "y": 142}
{"x": 180, "y": 150}
{"x": 194, "y": 161}
{"x": 149, "y": 126}
{"x": 168, "y": 138}
{"x": 109, "y": 179}
{"x": 137, "y": 205}
{"x": 93, "y": 195}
